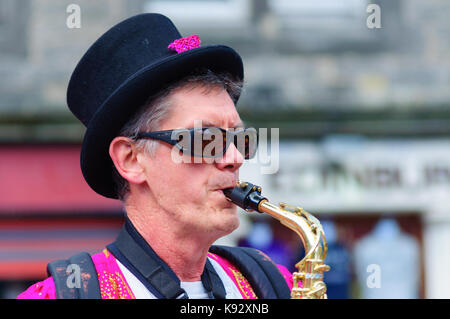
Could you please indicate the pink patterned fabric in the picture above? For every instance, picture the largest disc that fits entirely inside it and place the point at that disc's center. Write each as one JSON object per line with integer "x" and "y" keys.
{"x": 113, "y": 284}
{"x": 239, "y": 280}
{"x": 288, "y": 277}
{"x": 185, "y": 44}
{"x": 42, "y": 290}
{"x": 111, "y": 280}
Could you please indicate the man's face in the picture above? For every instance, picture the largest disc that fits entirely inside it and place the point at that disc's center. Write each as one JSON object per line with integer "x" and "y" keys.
{"x": 190, "y": 193}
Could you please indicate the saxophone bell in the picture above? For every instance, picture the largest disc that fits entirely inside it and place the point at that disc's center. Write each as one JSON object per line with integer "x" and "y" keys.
{"x": 308, "y": 281}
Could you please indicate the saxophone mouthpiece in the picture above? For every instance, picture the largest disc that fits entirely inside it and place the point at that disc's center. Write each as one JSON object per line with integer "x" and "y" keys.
{"x": 245, "y": 195}
{"x": 227, "y": 192}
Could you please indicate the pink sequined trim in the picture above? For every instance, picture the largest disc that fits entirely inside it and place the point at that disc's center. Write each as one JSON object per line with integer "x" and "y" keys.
{"x": 111, "y": 280}
{"x": 184, "y": 44}
{"x": 288, "y": 277}
{"x": 239, "y": 280}
{"x": 41, "y": 290}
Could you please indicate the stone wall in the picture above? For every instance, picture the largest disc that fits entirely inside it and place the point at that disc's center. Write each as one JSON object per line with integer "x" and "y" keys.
{"x": 307, "y": 58}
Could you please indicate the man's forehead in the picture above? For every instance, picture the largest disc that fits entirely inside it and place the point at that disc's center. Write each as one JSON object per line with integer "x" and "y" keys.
{"x": 213, "y": 108}
{"x": 207, "y": 119}
{"x": 208, "y": 122}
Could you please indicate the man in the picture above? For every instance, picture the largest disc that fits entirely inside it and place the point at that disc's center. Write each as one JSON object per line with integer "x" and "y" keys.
{"x": 147, "y": 97}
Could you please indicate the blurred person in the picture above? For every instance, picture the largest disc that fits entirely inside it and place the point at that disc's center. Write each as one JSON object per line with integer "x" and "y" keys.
{"x": 137, "y": 87}
{"x": 338, "y": 279}
{"x": 387, "y": 263}
{"x": 262, "y": 237}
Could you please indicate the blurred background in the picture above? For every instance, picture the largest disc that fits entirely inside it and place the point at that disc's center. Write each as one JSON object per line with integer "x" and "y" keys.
{"x": 361, "y": 98}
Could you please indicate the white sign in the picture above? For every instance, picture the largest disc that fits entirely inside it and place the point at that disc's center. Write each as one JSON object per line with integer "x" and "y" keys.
{"x": 356, "y": 175}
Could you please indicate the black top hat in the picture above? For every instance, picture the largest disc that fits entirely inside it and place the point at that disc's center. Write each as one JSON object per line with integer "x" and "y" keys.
{"x": 126, "y": 65}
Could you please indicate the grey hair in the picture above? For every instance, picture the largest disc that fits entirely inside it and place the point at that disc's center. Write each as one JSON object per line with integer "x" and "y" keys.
{"x": 157, "y": 109}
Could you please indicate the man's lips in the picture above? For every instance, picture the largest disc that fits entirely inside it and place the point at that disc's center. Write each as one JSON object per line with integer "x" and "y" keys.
{"x": 223, "y": 198}
{"x": 226, "y": 187}
{"x": 221, "y": 190}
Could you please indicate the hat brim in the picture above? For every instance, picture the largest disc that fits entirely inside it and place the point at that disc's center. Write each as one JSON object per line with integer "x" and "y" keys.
{"x": 120, "y": 106}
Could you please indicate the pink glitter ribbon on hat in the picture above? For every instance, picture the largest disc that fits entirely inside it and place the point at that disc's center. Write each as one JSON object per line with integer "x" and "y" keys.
{"x": 185, "y": 44}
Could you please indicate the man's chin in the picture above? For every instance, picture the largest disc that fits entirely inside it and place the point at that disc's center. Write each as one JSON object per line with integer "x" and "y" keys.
{"x": 230, "y": 221}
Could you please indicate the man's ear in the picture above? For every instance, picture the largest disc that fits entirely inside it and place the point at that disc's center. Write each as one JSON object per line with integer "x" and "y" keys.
{"x": 124, "y": 156}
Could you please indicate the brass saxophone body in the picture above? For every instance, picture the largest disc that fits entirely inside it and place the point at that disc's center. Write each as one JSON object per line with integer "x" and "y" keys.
{"x": 308, "y": 228}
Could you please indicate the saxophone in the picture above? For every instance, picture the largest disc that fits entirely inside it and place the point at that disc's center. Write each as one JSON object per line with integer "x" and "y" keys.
{"x": 308, "y": 228}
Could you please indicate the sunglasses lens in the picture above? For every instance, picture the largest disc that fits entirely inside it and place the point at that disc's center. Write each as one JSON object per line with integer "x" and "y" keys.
{"x": 213, "y": 141}
{"x": 252, "y": 144}
{"x": 182, "y": 138}
{"x": 203, "y": 142}
{"x": 246, "y": 142}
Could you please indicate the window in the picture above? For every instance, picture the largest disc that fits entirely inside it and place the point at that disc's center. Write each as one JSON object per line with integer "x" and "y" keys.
{"x": 14, "y": 16}
{"x": 203, "y": 13}
{"x": 323, "y": 24}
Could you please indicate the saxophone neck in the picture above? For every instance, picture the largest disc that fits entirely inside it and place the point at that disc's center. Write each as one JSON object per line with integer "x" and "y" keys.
{"x": 307, "y": 227}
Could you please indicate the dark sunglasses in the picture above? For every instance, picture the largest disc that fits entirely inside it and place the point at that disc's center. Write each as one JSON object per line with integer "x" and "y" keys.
{"x": 208, "y": 141}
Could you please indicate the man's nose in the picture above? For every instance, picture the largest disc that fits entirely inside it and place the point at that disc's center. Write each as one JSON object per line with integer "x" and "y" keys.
{"x": 231, "y": 160}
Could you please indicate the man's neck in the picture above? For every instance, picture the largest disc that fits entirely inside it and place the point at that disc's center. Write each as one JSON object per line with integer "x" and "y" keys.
{"x": 183, "y": 252}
